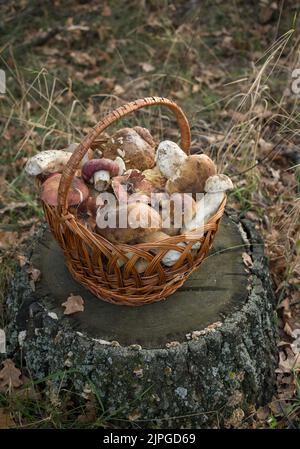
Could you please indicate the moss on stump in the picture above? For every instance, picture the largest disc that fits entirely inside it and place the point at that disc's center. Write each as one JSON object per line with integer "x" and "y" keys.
{"x": 187, "y": 362}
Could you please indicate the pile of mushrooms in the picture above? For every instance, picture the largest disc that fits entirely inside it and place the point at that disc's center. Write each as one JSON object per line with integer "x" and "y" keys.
{"x": 147, "y": 182}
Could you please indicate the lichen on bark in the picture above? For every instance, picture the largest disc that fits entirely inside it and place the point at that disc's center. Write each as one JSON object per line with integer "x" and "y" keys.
{"x": 194, "y": 384}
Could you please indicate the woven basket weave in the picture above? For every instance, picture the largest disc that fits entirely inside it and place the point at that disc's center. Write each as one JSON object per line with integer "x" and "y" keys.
{"x": 94, "y": 261}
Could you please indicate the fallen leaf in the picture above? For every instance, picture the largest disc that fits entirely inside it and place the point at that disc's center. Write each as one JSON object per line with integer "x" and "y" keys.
{"x": 289, "y": 362}
{"x": 288, "y": 330}
{"x": 10, "y": 375}
{"x": 134, "y": 415}
{"x": 27, "y": 391}
{"x": 22, "y": 260}
{"x": 106, "y": 11}
{"x": 6, "y": 421}
{"x": 119, "y": 90}
{"x": 266, "y": 13}
{"x": 263, "y": 413}
{"x": 277, "y": 407}
{"x": 73, "y": 304}
{"x": 295, "y": 297}
{"x": 147, "y": 67}
{"x": 7, "y": 239}
{"x": 247, "y": 260}
{"x": 83, "y": 58}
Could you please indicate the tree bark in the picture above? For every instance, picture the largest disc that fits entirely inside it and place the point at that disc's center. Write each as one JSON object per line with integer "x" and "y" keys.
{"x": 186, "y": 362}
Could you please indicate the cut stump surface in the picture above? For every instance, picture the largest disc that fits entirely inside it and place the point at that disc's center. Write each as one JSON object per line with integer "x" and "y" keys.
{"x": 208, "y": 349}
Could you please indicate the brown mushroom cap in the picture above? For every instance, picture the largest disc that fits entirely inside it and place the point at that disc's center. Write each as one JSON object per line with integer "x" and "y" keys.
{"x": 78, "y": 192}
{"x": 131, "y": 183}
{"x": 135, "y": 145}
{"x": 192, "y": 175}
{"x": 142, "y": 220}
{"x": 94, "y": 165}
{"x": 154, "y": 176}
{"x": 157, "y": 236}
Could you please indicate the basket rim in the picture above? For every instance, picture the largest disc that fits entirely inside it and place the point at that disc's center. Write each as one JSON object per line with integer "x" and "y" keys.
{"x": 171, "y": 240}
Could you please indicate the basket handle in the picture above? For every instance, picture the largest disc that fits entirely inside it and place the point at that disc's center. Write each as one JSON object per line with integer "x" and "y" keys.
{"x": 74, "y": 161}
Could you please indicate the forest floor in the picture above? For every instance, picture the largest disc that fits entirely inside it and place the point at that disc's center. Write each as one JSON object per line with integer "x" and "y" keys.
{"x": 232, "y": 67}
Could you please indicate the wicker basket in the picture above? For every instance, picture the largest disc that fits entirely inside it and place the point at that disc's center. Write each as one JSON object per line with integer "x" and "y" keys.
{"x": 93, "y": 261}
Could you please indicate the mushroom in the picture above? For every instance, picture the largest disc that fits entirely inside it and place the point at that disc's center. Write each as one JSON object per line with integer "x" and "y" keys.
{"x": 99, "y": 171}
{"x": 50, "y": 161}
{"x": 77, "y": 194}
{"x": 132, "y": 182}
{"x": 171, "y": 257}
{"x": 140, "y": 265}
{"x": 156, "y": 178}
{"x": 71, "y": 149}
{"x": 93, "y": 203}
{"x": 135, "y": 145}
{"x": 175, "y": 210}
{"x": 127, "y": 223}
{"x": 192, "y": 174}
{"x": 215, "y": 188}
{"x": 169, "y": 158}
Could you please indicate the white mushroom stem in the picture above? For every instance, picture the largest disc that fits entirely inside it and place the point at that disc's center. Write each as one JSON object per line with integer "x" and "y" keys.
{"x": 101, "y": 180}
{"x": 212, "y": 202}
{"x": 72, "y": 147}
{"x": 171, "y": 257}
{"x": 208, "y": 206}
{"x": 169, "y": 157}
{"x": 50, "y": 161}
{"x": 121, "y": 164}
{"x": 140, "y": 265}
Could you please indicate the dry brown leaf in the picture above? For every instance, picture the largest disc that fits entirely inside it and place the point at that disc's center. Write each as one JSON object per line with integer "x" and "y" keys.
{"x": 10, "y": 375}
{"x": 106, "y": 11}
{"x": 288, "y": 330}
{"x": 295, "y": 297}
{"x": 247, "y": 260}
{"x": 147, "y": 67}
{"x": 263, "y": 413}
{"x": 7, "y": 239}
{"x": 277, "y": 407}
{"x": 134, "y": 415}
{"x": 289, "y": 362}
{"x": 28, "y": 391}
{"x": 83, "y": 58}
{"x": 6, "y": 421}
{"x": 22, "y": 260}
{"x": 73, "y": 304}
{"x": 119, "y": 90}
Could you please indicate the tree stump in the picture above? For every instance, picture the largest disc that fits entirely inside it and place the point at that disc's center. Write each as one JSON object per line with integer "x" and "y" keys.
{"x": 188, "y": 361}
